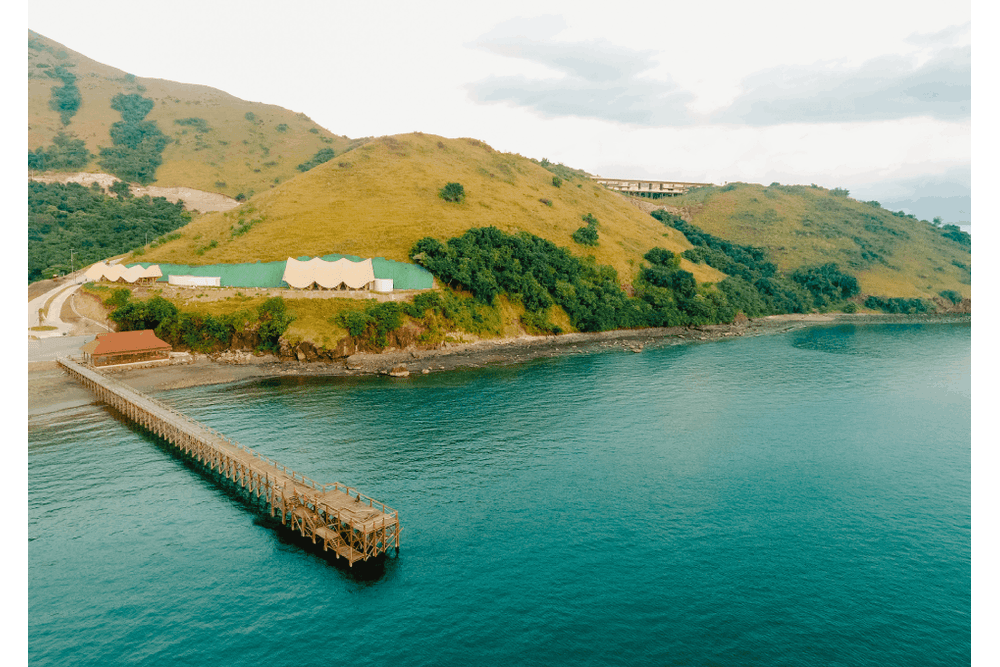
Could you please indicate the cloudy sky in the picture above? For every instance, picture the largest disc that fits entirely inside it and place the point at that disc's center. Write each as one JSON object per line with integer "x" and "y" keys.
{"x": 871, "y": 95}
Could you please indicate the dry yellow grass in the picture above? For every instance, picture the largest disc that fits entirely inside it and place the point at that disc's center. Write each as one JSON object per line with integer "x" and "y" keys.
{"x": 379, "y": 199}
{"x": 806, "y": 226}
{"x": 240, "y": 154}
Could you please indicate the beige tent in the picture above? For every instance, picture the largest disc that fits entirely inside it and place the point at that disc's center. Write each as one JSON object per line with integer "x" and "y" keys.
{"x": 95, "y": 272}
{"x": 329, "y": 275}
{"x": 117, "y": 272}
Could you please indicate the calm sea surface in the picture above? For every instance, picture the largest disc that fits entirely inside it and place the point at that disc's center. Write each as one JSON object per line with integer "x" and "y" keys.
{"x": 801, "y": 499}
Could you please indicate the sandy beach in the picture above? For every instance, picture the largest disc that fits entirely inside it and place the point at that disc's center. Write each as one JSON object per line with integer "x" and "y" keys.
{"x": 50, "y": 389}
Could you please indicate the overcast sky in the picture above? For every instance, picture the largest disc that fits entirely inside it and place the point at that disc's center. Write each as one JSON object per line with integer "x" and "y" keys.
{"x": 872, "y": 95}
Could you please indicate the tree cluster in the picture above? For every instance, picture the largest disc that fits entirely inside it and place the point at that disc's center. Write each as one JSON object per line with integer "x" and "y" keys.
{"x": 201, "y": 332}
{"x": 755, "y": 281}
{"x": 955, "y": 233}
{"x": 91, "y": 224}
{"x": 65, "y": 153}
{"x": 66, "y": 98}
{"x": 321, "y": 156}
{"x": 138, "y": 143}
{"x": 898, "y": 305}
{"x": 538, "y": 274}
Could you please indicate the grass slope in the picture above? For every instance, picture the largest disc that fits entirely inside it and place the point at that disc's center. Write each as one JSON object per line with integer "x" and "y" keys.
{"x": 807, "y": 226}
{"x": 382, "y": 197}
{"x": 229, "y": 151}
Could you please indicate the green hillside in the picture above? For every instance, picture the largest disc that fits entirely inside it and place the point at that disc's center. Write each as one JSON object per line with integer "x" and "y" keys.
{"x": 381, "y": 198}
{"x": 209, "y": 140}
{"x": 890, "y": 254}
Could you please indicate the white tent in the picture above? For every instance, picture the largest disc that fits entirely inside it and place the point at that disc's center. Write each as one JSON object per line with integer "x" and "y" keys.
{"x": 329, "y": 275}
{"x": 195, "y": 281}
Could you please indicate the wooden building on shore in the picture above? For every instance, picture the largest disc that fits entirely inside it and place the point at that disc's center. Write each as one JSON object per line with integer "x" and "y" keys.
{"x": 125, "y": 347}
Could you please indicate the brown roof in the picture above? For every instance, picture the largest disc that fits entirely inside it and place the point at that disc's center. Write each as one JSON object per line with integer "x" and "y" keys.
{"x": 118, "y": 342}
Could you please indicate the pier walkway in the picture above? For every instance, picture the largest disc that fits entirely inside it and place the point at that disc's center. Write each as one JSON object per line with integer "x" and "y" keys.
{"x": 350, "y": 524}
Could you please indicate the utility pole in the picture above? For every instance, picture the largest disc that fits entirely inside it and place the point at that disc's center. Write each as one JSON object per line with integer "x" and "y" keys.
{"x": 71, "y": 265}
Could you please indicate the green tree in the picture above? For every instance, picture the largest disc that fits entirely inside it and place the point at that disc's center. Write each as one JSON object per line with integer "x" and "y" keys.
{"x": 274, "y": 320}
{"x": 453, "y": 192}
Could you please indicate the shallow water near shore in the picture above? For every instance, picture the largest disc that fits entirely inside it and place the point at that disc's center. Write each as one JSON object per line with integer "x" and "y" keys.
{"x": 797, "y": 499}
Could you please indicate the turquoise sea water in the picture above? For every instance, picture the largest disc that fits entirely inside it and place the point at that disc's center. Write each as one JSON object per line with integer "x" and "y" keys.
{"x": 800, "y": 499}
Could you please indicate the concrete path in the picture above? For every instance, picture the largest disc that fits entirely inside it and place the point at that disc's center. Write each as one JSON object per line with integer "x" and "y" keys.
{"x": 52, "y": 317}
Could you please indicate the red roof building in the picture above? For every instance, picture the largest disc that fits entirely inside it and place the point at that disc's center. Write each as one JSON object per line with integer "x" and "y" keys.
{"x": 125, "y": 347}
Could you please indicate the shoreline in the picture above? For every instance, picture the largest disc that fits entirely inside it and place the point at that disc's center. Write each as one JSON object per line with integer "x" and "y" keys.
{"x": 51, "y": 390}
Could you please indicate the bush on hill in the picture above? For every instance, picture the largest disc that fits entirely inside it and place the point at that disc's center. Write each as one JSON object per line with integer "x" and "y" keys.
{"x": 65, "y": 153}
{"x": 951, "y": 295}
{"x": 754, "y": 282}
{"x": 65, "y": 98}
{"x": 138, "y": 143}
{"x": 955, "y": 233}
{"x": 826, "y": 283}
{"x": 898, "y": 305}
{"x": 321, "y": 156}
{"x": 453, "y": 192}
{"x": 587, "y": 235}
{"x": 561, "y": 171}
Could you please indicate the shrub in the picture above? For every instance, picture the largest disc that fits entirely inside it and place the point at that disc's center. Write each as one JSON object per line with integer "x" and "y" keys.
{"x": 898, "y": 305}
{"x": 951, "y": 295}
{"x": 453, "y": 192}
{"x": 321, "y": 156}
{"x": 556, "y": 181}
{"x": 200, "y": 124}
{"x": 274, "y": 320}
{"x": 586, "y": 235}
{"x": 373, "y": 325}
{"x": 547, "y": 202}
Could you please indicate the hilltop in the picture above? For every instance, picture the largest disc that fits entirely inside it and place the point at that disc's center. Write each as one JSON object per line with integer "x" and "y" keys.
{"x": 207, "y": 139}
{"x": 381, "y": 198}
{"x": 890, "y": 253}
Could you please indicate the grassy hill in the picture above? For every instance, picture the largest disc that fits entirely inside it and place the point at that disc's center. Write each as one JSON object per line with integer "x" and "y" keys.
{"x": 890, "y": 254}
{"x": 381, "y": 198}
{"x": 215, "y": 142}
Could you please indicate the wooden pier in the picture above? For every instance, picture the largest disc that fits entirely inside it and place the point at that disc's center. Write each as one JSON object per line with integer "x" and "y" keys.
{"x": 348, "y": 523}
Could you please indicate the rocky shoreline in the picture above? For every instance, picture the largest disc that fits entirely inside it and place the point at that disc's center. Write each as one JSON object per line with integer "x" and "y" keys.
{"x": 50, "y": 389}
